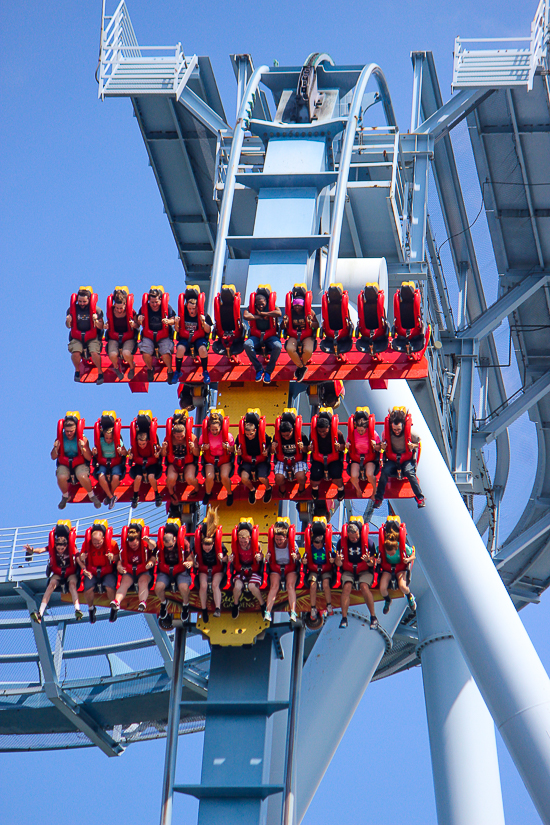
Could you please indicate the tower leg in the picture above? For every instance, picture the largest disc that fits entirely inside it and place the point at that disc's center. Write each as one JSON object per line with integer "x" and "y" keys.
{"x": 462, "y": 733}
{"x": 173, "y": 727}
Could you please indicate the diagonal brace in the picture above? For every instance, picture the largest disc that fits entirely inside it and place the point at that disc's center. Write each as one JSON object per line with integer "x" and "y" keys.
{"x": 451, "y": 113}
{"x": 489, "y": 320}
{"x": 503, "y": 420}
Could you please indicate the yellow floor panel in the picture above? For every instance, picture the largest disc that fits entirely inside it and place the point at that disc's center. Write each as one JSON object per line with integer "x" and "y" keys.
{"x": 230, "y": 632}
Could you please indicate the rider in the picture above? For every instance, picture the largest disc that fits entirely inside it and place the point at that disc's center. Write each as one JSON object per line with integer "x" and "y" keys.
{"x": 248, "y": 562}
{"x": 157, "y": 319}
{"x": 363, "y": 455}
{"x": 327, "y": 447}
{"x": 180, "y": 450}
{"x": 300, "y": 325}
{"x": 262, "y": 314}
{"x": 290, "y": 446}
{"x": 71, "y": 451}
{"x": 319, "y": 558}
{"x": 145, "y": 455}
{"x": 284, "y": 563}
{"x": 252, "y": 448}
{"x": 193, "y": 326}
{"x": 84, "y": 319}
{"x": 400, "y": 444}
{"x": 212, "y": 560}
{"x": 356, "y": 556}
{"x": 98, "y": 559}
{"x": 135, "y": 565}
{"x": 218, "y": 447}
{"x": 397, "y": 557}
{"x": 62, "y": 567}
{"x": 109, "y": 455}
{"x": 228, "y": 331}
{"x": 175, "y": 564}
{"x": 122, "y": 331}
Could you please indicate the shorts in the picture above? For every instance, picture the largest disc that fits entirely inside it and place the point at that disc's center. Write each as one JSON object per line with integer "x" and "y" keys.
{"x": 299, "y": 467}
{"x": 165, "y": 346}
{"x": 135, "y": 579}
{"x": 366, "y": 577}
{"x": 128, "y": 347}
{"x": 117, "y": 470}
{"x": 108, "y": 580}
{"x": 316, "y": 577}
{"x": 376, "y": 463}
{"x": 181, "y": 470}
{"x": 81, "y": 471}
{"x": 252, "y": 578}
{"x": 166, "y": 579}
{"x": 192, "y": 348}
{"x": 62, "y": 580}
{"x": 335, "y": 470}
{"x": 139, "y": 470}
{"x": 262, "y": 469}
{"x": 92, "y": 346}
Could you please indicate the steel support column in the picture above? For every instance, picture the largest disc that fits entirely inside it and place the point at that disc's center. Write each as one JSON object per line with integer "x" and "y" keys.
{"x": 462, "y": 472}
{"x": 172, "y": 728}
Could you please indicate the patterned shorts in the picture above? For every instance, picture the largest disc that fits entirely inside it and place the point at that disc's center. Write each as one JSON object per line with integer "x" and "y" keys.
{"x": 299, "y": 467}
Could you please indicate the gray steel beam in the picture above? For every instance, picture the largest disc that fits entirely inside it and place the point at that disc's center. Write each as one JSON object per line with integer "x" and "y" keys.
{"x": 489, "y": 320}
{"x": 504, "y": 419}
{"x": 513, "y": 548}
{"x": 202, "y": 112}
{"x": 166, "y": 649}
{"x": 440, "y": 122}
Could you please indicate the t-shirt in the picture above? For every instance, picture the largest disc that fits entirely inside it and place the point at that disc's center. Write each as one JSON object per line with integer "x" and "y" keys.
{"x": 70, "y": 447}
{"x": 398, "y": 444}
{"x": 326, "y": 443}
{"x": 253, "y": 445}
{"x": 354, "y": 550}
{"x": 120, "y": 324}
{"x": 318, "y": 553}
{"x": 108, "y": 450}
{"x": 262, "y": 324}
{"x": 191, "y": 324}
{"x": 282, "y": 555}
{"x": 362, "y": 442}
{"x": 172, "y": 555}
{"x": 289, "y": 448}
{"x": 155, "y": 319}
{"x": 83, "y": 317}
{"x": 216, "y": 443}
{"x": 394, "y": 558}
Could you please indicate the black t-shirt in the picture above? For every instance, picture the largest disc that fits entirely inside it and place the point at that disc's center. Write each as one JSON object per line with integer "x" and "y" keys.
{"x": 325, "y": 443}
{"x": 354, "y": 550}
{"x": 253, "y": 447}
{"x": 155, "y": 318}
{"x": 172, "y": 555}
{"x": 288, "y": 448}
{"x": 191, "y": 324}
{"x": 120, "y": 324}
{"x": 83, "y": 316}
{"x": 263, "y": 324}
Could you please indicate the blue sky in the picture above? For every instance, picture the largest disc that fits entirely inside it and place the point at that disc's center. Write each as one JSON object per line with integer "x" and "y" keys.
{"x": 81, "y": 205}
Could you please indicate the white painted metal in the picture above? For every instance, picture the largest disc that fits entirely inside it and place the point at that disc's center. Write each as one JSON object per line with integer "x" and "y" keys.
{"x": 356, "y": 272}
{"x": 489, "y": 632}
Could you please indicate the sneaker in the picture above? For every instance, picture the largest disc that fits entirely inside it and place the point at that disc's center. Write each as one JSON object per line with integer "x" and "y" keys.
{"x": 77, "y": 376}
{"x": 412, "y": 602}
{"x": 100, "y": 379}
{"x": 267, "y": 378}
{"x": 63, "y": 503}
{"x": 206, "y": 498}
{"x": 119, "y": 374}
{"x": 205, "y": 616}
{"x": 158, "y": 499}
{"x": 376, "y": 504}
{"x": 113, "y": 615}
{"x": 135, "y": 501}
{"x": 314, "y": 494}
{"x": 373, "y": 623}
{"x": 96, "y": 502}
{"x": 171, "y": 376}
{"x": 268, "y": 495}
{"x": 217, "y": 613}
{"x": 112, "y": 502}
{"x": 163, "y": 612}
{"x": 79, "y": 615}
{"x": 299, "y": 374}
{"x": 132, "y": 374}
{"x": 343, "y": 622}
{"x": 330, "y": 610}
{"x": 420, "y": 503}
{"x": 235, "y": 611}
{"x": 267, "y": 615}
{"x": 150, "y": 375}
{"x": 205, "y": 377}
{"x": 387, "y": 605}
{"x": 293, "y": 616}
{"x": 259, "y": 375}
{"x": 36, "y": 617}
{"x": 340, "y": 494}
{"x": 252, "y": 496}
{"x": 184, "y": 612}
{"x": 229, "y": 499}
{"x": 92, "y": 614}
{"x": 115, "y": 605}
{"x": 142, "y": 607}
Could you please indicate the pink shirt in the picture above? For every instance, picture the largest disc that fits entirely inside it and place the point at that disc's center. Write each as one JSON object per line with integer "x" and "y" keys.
{"x": 362, "y": 442}
{"x": 216, "y": 443}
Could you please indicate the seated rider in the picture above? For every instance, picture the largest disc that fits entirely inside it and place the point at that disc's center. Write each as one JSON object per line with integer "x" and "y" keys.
{"x": 396, "y": 560}
{"x": 326, "y": 394}
{"x": 319, "y": 561}
{"x": 85, "y": 321}
{"x": 408, "y": 329}
{"x": 372, "y": 328}
{"x": 300, "y": 325}
{"x": 122, "y": 331}
{"x": 109, "y": 455}
{"x": 400, "y": 444}
{"x": 71, "y": 451}
{"x": 327, "y": 452}
{"x": 193, "y": 328}
{"x": 284, "y": 562}
{"x": 212, "y": 560}
{"x": 363, "y": 450}
{"x": 337, "y": 326}
{"x": 135, "y": 565}
{"x": 290, "y": 446}
{"x": 356, "y": 557}
{"x": 175, "y": 562}
{"x": 98, "y": 559}
{"x": 262, "y": 314}
{"x": 157, "y": 319}
{"x": 145, "y": 454}
{"x": 248, "y": 562}
{"x": 180, "y": 450}
{"x": 252, "y": 448}
{"x": 218, "y": 453}
{"x": 62, "y": 570}
{"x": 228, "y": 331}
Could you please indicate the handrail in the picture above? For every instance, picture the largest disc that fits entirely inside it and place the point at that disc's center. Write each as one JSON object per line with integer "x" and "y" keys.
{"x": 241, "y": 126}
{"x": 345, "y": 159}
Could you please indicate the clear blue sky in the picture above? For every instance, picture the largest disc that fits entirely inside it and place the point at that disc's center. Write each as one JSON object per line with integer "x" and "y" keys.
{"x": 80, "y": 205}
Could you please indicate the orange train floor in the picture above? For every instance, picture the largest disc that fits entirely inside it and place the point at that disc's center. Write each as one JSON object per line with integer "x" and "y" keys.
{"x": 322, "y": 367}
{"x": 327, "y": 490}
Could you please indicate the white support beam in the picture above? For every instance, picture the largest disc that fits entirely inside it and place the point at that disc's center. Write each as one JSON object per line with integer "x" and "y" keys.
{"x": 504, "y": 419}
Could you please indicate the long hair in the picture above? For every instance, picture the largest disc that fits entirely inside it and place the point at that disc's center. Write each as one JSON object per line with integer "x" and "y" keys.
{"x": 211, "y": 522}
